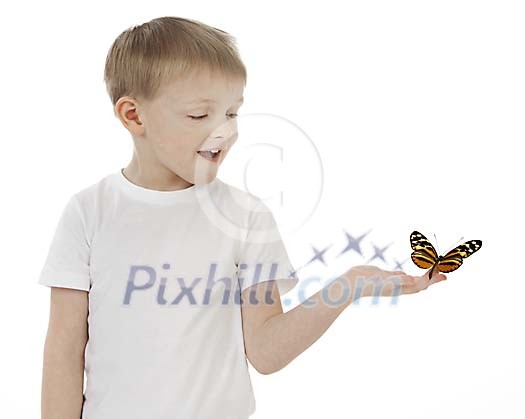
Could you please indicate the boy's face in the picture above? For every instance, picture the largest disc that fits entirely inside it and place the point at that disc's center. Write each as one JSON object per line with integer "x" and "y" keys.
{"x": 171, "y": 135}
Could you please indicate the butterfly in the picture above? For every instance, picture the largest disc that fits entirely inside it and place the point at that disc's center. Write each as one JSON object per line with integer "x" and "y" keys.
{"x": 425, "y": 256}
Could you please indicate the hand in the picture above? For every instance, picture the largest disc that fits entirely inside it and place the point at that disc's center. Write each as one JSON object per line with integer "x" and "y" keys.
{"x": 368, "y": 280}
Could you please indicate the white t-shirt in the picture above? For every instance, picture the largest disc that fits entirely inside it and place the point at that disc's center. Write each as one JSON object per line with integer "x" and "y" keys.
{"x": 160, "y": 346}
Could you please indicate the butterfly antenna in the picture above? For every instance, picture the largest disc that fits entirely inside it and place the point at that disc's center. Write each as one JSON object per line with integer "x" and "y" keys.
{"x": 451, "y": 247}
{"x": 437, "y": 247}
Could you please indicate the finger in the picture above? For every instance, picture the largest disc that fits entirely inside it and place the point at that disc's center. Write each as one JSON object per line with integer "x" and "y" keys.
{"x": 437, "y": 277}
{"x": 435, "y": 274}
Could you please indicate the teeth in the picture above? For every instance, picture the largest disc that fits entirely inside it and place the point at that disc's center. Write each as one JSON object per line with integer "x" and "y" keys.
{"x": 213, "y": 150}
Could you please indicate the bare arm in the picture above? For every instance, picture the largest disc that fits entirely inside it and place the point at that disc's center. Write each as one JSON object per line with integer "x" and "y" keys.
{"x": 273, "y": 338}
{"x": 63, "y": 366}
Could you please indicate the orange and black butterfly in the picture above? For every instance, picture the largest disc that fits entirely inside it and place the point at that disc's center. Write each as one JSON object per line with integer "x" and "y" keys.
{"x": 425, "y": 256}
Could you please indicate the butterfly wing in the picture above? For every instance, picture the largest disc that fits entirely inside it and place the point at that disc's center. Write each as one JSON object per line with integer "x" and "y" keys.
{"x": 424, "y": 254}
{"x": 465, "y": 250}
{"x": 449, "y": 264}
{"x": 454, "y": 259}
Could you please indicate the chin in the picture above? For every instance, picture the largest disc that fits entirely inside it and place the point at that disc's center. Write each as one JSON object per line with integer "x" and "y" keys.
{"x": 204, "y": 179}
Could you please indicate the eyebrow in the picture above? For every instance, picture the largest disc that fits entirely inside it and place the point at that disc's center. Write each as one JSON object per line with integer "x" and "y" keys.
{"x": 206, "y": 100}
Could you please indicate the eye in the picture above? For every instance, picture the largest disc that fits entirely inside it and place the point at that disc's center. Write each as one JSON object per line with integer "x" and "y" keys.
{"x": 197, "y": 117}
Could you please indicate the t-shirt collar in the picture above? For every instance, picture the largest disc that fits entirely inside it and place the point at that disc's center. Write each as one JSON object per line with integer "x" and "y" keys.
{"x": 155, "y": 196}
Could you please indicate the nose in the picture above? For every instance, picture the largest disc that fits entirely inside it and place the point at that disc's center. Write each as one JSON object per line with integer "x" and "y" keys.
{"x": 224, "y": 135}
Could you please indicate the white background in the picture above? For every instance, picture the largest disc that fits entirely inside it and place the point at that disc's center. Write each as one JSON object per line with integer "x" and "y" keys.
{"x": 416, "y": 110}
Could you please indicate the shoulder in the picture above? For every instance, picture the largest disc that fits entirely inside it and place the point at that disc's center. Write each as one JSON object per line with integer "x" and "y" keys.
{"x": 95, "y": 191}
{"x": 89, "y": 202}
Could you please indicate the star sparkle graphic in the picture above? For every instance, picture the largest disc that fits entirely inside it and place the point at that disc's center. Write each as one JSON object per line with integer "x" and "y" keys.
{"x": 354, "y": 245}
{"x": 399, "y": 265}
{"x": 318, "y": 255}
{"x": 378, "y": 252}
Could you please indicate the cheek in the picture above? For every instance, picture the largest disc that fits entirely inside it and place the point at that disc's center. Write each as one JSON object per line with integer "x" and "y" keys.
{"x": 179, "y": 142}
{"x": 162, "y": 130}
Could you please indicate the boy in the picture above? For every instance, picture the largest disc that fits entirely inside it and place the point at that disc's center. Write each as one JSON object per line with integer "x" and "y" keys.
{"x": 162, "y": 276}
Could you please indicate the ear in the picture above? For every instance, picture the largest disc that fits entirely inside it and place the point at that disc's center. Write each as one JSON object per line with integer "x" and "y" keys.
{"x": 127, "y": 111}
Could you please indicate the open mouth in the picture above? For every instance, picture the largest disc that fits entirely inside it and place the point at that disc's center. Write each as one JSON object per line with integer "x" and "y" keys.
{"x": 209, "y": 155}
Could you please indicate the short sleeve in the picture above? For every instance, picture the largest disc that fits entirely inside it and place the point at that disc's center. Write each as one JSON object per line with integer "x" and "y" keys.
{"x": 263, "y": 256}
{"x": 67, "y": 263}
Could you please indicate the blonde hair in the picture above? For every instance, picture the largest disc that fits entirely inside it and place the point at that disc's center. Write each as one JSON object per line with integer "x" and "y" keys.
{"x": 145, "y": 57}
